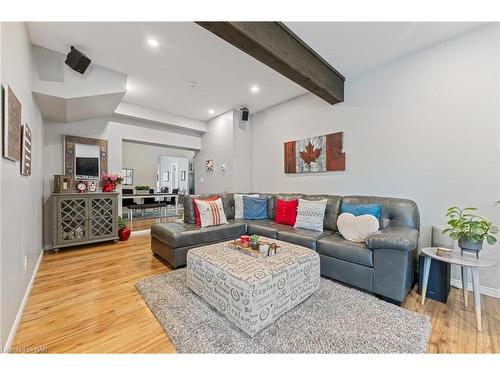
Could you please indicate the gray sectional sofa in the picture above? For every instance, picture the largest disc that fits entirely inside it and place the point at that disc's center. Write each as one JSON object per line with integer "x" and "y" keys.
{"x": 382, "y": 265}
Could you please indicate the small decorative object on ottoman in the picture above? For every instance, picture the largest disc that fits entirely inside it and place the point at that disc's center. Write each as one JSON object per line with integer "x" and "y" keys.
{"x": 252, "y": 292}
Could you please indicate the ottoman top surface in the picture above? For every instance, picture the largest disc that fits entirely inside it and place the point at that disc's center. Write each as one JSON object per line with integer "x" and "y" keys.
{"x": 248, "y": 268}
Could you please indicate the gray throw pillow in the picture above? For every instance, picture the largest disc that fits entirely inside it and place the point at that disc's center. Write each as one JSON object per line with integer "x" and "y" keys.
{"x": 310, "y": 214}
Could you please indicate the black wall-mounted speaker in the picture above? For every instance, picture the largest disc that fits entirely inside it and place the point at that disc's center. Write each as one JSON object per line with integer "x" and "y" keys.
{"x": 77, "y": 61}
{"x": 244, "y": 114}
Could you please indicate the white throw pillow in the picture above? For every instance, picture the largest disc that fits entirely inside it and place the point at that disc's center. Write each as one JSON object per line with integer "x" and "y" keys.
{"x": 211, "y": 212}
{"x": 238, "y": 204}
{"x": 357, "y": 228}
{"x": 310, "y": 214}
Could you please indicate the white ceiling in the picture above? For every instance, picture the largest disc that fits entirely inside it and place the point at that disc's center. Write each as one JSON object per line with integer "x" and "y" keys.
{"x": 354, "y": 47}
{"x": 158, "y": 78}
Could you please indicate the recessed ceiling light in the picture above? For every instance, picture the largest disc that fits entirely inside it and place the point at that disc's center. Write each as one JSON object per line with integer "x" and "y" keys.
{"x": 211, "y": 111}
{"x": 254, "y": 89}
{"x": 153, "y": 42}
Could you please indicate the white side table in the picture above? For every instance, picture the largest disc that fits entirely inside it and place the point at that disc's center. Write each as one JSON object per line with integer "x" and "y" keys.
{"x": 465, "y": 261}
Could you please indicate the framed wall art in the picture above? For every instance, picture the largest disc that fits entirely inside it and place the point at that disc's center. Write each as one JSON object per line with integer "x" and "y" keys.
{"x": 128, "y": 176}
{"x": 69, "y": 152}
{"x": 165, "y": 176}
{"x": 26, "y": 151}
{"x": 11, "y": 125}
{"x": 209, "y": 165}
{"x": 317, "y": 154}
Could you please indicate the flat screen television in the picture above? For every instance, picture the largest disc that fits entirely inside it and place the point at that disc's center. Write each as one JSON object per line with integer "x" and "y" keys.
{"x": 87, "y": 167}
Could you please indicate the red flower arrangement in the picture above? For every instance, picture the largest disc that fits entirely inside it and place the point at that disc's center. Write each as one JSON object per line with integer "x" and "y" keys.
{"x": 110, "y": 180}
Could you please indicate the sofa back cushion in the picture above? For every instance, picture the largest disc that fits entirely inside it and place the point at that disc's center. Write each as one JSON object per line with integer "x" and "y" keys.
{"x": 211, "y": 212}
{"x": 310, "y": 214}
{"x": 189, "y": 210}
{"x": 228, "y": 202}
{"x": 286, "y": 211}
{"x": 197, "y": 209}
{"x": 238, "y": 204}
{"x": 332, "y": 209}
{"x": 270, "y": 204}
{"x": 254, "y": 208}
{"x": 282, "y": 196}
{"x": 373, "y": 209}
{"x": 395, "y": 211}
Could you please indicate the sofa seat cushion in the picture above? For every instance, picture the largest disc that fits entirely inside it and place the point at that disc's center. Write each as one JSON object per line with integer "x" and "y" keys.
{"x": 302, "y": 237}
{"x": 337, "y": 247}
{"x": 180, "y": 234}
{"x": 266, "y": 228}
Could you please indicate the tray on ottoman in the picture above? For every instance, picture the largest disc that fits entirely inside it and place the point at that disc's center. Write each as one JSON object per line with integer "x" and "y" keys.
{"x": 252, "y": 292}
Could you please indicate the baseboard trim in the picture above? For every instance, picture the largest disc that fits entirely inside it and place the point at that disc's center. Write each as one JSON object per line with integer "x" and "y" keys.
{"x": 144, "y": 232}
{"x": 487, "y": 291}
{"x": 19, "y": 315}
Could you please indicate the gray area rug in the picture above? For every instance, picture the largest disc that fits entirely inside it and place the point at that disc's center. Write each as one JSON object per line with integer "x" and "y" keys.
{"x": 335, "y": 319}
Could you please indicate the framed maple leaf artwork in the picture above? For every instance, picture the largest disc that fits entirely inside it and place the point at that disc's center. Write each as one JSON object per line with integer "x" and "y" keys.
{"x": 317, "y": 154}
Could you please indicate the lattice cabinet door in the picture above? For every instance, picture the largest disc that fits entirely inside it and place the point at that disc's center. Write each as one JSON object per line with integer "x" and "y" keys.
{"x": 102, "y": 217}
{"x": 72, "y": 223}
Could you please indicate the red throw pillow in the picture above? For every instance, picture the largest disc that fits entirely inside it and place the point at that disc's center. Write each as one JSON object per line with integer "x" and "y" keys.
{"x": 197, "y": 211}
{"x": 286, "y": 212}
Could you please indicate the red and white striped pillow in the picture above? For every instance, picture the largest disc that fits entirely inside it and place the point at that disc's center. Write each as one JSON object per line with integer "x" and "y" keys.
{"x": 211, "y": 212}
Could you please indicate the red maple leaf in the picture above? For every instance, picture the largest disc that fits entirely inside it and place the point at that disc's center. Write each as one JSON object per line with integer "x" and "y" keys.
{"x": 310, "y": 154}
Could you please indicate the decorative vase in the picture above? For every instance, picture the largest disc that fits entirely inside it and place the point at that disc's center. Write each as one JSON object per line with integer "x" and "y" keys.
{"x": 470, "y": 246}
{"x": 108, "y": 187}
{"x": 124, "y": 234}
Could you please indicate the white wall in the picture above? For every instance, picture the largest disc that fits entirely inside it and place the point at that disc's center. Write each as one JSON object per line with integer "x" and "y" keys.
{"x": 144, "y": 159}
{"x": 21, "y": 196}
{"x": 227, "y": 141}
{"x": 115, "y": 131}
{"x": 2, "y": 342}
{"x": 242, "y": 155}
{"x": 424, "y": 127}
{"x": 216, "y": 144}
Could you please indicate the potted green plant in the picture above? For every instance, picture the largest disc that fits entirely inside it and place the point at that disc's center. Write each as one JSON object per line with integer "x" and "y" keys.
{"x": 123, "y": 230}
{"x": 141, "y": 189}
{"x": 470, "y": 230}
{"x": 254, "y": 241}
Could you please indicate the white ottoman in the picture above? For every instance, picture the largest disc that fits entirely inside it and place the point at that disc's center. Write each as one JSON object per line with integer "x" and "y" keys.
{"x": 252, "y": 292}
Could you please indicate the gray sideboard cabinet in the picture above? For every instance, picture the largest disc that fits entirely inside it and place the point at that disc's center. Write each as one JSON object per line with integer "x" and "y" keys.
{"x": 82, "y": 218}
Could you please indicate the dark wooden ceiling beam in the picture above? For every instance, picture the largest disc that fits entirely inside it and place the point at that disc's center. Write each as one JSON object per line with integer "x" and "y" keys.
{"x": 273, "y": 44}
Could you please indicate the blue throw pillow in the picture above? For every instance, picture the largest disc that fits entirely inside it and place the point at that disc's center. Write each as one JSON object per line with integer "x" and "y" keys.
{"x": 362, "y": 209}
{"x": 254, "y": 208}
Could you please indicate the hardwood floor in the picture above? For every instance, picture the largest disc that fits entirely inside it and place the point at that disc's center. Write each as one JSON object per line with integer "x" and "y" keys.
{"x": 143, "y": 224}
{"x": 84, "y": 301}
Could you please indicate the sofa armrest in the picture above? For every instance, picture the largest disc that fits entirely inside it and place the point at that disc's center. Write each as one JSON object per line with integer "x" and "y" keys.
{"x": 397, "y": 238}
